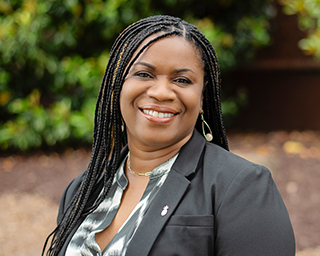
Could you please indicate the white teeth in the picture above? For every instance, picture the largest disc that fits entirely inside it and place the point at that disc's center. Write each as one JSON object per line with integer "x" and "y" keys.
{"x": 157, "y": 114}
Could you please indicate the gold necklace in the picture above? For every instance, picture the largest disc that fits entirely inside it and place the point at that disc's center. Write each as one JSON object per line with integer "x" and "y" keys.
{"x": 146, "y": 174}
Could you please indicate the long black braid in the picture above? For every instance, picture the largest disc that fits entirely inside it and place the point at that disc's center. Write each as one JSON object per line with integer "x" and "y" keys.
{"x": 108, "y": 135}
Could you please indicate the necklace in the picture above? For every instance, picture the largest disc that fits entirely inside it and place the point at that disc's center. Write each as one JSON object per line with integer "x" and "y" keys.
{"x": 146, "y": 174}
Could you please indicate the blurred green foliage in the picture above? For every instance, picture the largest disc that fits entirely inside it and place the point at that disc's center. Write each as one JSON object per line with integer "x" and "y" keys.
{"x": 53, "y": 54}
{"x": 308, "y": 12}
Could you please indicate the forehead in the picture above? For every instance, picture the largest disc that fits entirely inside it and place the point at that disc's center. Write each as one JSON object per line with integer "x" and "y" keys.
{"x": 171, "y": 44}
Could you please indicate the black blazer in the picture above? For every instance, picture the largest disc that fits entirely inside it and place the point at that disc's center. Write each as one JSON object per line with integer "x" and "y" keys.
{"x": 219, "y": 204}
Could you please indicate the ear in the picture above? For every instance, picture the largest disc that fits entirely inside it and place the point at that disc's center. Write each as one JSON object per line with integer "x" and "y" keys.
{"x": 201, "y": 103}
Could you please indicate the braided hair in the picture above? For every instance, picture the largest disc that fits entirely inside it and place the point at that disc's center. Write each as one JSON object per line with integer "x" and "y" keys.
{"x": 108, "y": 135}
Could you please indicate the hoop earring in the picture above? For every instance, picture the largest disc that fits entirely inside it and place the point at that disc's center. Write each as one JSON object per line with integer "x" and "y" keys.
{"x": 208, "y": 136}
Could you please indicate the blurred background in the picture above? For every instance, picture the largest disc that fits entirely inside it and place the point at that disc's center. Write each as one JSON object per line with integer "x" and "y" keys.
{"x": 53, "y": 55}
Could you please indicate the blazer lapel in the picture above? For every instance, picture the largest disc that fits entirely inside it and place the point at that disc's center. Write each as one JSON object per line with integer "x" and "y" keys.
{"x": 168, "y": 197}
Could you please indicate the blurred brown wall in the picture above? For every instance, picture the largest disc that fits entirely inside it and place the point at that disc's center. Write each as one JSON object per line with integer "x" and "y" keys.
{"x": 282, "y": 83}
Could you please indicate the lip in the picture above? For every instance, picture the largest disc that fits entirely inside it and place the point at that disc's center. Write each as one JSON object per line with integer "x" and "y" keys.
{"x": 158, "y": 120}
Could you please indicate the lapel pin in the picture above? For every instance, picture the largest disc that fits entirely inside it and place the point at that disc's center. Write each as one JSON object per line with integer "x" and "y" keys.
{"x": 164, "y": 210}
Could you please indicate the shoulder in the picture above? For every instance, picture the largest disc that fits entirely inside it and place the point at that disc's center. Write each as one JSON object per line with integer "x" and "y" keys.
{"x": 218, "y": 166}
{"x": 232, "y": 178}
{"x": 247, "y": 204}
{"x": 226, "y": 163}
{"x": 68, "y": 194}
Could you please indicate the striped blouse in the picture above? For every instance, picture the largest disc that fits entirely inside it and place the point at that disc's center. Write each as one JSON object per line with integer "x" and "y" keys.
{"x": 83, "y": 241}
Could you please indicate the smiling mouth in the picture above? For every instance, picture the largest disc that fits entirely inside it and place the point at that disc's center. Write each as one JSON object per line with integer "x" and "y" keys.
{"x": 157, "y": 114}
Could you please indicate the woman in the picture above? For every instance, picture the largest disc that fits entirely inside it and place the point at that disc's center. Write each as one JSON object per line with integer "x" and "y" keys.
{"x": 154, "y": 185}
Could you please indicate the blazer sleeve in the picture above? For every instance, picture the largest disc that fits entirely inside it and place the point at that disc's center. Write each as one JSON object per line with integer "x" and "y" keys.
{"x": 252, "y": 219}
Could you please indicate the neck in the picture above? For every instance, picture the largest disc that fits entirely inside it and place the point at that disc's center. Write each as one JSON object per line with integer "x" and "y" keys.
{"x": 144, "y": 159}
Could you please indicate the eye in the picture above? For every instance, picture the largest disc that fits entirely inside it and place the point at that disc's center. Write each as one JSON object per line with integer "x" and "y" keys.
{"x": 183, "y": 80}
{"x": 143, "y": 74}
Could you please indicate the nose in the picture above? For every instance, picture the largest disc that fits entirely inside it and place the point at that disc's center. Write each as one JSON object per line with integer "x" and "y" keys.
{"x": 161, "y": 90}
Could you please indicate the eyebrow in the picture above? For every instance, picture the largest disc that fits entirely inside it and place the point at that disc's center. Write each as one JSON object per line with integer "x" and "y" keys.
{"x": 144, "y": 64}
{"x": 181, "y": 70}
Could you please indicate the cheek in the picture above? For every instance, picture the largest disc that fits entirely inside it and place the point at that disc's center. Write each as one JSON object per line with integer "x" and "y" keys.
{"x": 124, "y": 105}
{"x": 130, "y": 90}
{"x": 125, "y": 96}
{"x": 122, "y": 101}
{"x": 128, "y": 96}
{"x": 193, "y": 106}
{"x": 195, "y": 102}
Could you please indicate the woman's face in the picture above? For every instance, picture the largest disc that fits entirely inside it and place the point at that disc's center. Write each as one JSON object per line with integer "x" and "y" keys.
{"x": 161, "y": 97}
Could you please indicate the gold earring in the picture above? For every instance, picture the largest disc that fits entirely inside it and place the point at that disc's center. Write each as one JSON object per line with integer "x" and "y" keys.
{"x": 208, "y": 136}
